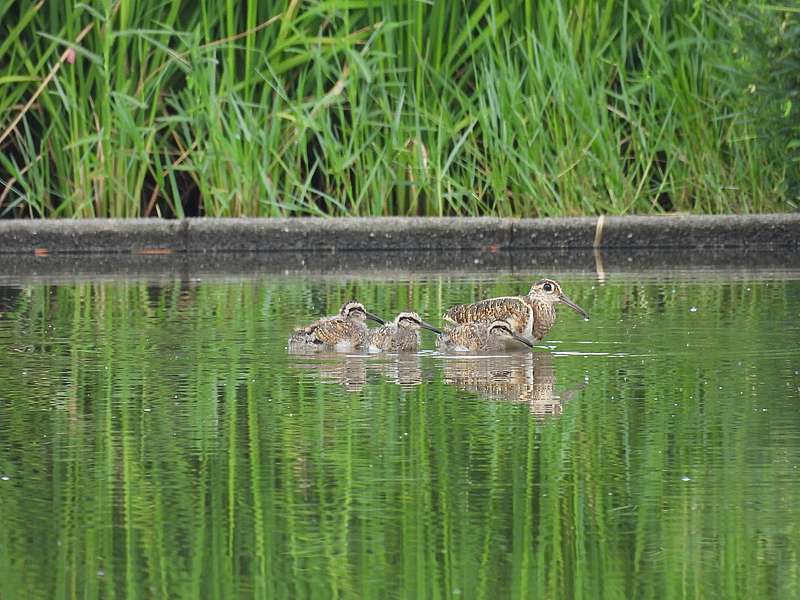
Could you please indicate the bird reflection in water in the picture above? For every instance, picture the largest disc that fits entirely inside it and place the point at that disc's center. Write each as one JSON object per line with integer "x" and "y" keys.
{"x": 349, "y": 371}
{"x": 525, "y": 378}
{"x": 352, "y": 371}
{"x": 403, "y": 369}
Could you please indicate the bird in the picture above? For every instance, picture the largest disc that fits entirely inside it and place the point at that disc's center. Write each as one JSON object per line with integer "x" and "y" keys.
{"x": 343, "y": 332}
{"x": 401, "y": 335}
{"x": 530, "y": 316}
{"x": 479, "y": 337}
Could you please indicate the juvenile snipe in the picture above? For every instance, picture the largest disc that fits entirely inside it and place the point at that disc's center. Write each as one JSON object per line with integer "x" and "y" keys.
{"x": 401, "y": 335}
{"x": 480, "y": 337}
{"x": 343, "y": 332}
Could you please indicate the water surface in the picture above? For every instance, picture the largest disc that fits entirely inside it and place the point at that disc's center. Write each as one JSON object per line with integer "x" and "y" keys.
{"x": 157, "y": 441}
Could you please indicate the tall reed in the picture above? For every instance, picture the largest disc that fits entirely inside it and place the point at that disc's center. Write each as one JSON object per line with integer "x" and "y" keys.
{"x": 380, "y": 107}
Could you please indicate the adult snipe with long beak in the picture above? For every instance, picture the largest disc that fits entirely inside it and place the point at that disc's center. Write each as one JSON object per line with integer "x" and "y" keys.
{"x": 530, "y": 316}
{"x": 343, "y": 332}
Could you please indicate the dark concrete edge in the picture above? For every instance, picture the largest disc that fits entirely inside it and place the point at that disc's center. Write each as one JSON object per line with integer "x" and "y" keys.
{"x": 210, "y": 235}
{"x": 616, "y": 264}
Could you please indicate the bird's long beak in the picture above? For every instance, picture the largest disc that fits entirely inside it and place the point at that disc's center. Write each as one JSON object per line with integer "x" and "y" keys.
{"x": 430, "y": 328}
{"x": 522, "y": 340}
{"x": 574, "y": 306}
{"x": 375, "y": 318}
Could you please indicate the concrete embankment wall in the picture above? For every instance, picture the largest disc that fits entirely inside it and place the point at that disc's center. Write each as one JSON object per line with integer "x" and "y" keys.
{"x": 143, "y": 236}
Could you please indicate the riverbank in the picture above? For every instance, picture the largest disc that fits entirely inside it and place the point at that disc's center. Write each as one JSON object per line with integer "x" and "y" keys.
{"x": 193, "y": 236}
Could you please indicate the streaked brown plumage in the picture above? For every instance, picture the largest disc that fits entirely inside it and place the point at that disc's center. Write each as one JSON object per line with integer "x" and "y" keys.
{"x": 531, "y": 316}
{"x": 480, "y": 337}
{"x": 345, "y": 331}
{"x": 401, "y": 335}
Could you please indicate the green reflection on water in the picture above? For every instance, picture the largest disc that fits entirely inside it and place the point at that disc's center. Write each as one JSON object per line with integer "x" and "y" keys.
{"x": 158, "y": 442}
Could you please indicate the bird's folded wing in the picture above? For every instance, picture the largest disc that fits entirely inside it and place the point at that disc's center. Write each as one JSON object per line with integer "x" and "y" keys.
{"x": 489, "y": 310}
{"x": 334, "y": 331}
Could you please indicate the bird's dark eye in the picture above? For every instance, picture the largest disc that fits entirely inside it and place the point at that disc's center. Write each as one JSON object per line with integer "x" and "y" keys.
{"x": 547, "y": 287}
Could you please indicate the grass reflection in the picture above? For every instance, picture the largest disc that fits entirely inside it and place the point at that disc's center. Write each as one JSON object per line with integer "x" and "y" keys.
{"x": 159, "y": 442}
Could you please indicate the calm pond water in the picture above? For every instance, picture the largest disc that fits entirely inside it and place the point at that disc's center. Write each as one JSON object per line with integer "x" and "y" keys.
{"x": 156, "y": 441}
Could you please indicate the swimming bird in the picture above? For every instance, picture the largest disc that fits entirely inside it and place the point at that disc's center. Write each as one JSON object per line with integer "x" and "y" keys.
{"x": 343, "y": 332}
{"x": 479, "y": 337}
{"x": 531, "y": 316}
{"x": 401, "y": 335}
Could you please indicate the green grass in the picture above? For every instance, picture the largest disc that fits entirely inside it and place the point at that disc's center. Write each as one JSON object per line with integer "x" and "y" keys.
{"x": 379, "y": 107}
